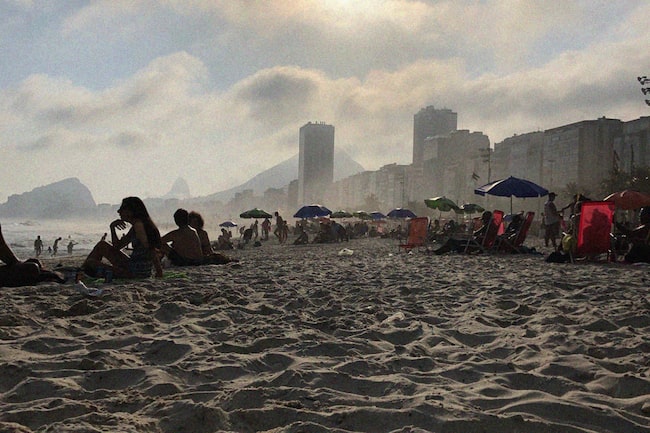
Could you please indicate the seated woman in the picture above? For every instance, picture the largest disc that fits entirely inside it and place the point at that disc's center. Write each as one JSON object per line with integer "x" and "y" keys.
{"x": 459, "y": 245}
{"x": 143, "y": 236}
{"x": 16, "y": 273}
{"x": 210, "y": 257}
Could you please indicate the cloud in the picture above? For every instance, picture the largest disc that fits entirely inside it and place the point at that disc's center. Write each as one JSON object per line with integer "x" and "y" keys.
{"x": 105, "y": 15}
{"x": 222, "y": 96}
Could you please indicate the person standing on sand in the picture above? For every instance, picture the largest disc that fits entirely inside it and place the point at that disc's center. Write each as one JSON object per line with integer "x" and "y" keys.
{"x": 552, "y": 220}
{"x": 55, "y": 247}
{"x": 279, "y": 227}
{"x": 266, "y": 228}
{"x": 285, "y": 231}
{"x": 15, "y": 273}
{"x": 143, "y": 236}
{"x": 38, "y": 246}
{"x": 255, "y": 229}
{"x": 71, "y": 245}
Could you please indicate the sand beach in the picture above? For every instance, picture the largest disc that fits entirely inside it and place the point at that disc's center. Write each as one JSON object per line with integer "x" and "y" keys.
{"x": 302, "y": 339}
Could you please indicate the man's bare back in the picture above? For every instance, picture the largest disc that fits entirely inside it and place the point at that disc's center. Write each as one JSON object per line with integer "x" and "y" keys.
{"x": 185, "y": 241}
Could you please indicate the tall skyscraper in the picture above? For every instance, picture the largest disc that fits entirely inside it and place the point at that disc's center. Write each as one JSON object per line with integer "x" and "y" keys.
{"x": 315, "y": 162}
{"x": 429, "y": 122}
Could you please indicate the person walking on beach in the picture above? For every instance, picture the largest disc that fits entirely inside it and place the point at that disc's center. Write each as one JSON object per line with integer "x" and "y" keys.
{"x": 279, "y": 227}
{"x": 143, "y": 236}
{"x": 55, "y": 247}
{"x": 38, "y": 246}
{"x": 71, "y": 245}
{"x": 552, "y": 220}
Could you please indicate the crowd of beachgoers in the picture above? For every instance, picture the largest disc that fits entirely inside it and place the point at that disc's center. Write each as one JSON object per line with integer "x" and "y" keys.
{"x": 375, "y": 332}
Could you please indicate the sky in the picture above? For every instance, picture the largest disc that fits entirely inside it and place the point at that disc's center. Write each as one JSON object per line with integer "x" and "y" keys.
{"x": 129, "y": 95}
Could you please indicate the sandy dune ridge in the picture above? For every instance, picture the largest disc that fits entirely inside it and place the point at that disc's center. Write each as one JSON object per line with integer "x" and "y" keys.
{"x": 301, "y": 339}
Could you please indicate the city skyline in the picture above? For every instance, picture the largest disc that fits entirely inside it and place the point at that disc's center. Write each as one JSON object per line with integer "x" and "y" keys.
{"x": 130, "y": 95}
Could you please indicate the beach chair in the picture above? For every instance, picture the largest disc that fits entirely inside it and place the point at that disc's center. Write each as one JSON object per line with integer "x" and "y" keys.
{"x": 495, "y": 227}
{"x": 417, "y": 234}
{"x": 515, "y": 244}
{"x": 594, "y": 229}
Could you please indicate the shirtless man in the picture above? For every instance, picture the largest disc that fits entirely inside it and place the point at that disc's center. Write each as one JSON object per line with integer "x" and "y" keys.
{"x": 185, "y": 248}
{"x": 279, "y": 228}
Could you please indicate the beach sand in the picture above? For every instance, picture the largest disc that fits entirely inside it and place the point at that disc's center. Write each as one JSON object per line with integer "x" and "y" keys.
{"x": 302, "y": 339}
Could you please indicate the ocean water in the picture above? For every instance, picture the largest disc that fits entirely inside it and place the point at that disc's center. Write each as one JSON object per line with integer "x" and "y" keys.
{"x": 20, "y": 235}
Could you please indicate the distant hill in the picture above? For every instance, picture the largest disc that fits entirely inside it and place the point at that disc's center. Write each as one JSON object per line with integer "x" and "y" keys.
{"x": 283, "y": 173}
{"x": 70, "y": 198}
{"x": 180, "y": 190}
{"x": 66, "y": 198}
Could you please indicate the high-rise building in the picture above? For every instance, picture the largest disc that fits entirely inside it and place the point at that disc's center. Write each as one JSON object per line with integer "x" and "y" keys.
{"x": 315, "y": 162}
{"x": 430, "y": 122}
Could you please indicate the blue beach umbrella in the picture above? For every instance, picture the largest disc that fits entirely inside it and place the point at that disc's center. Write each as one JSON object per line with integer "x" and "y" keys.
{"x": 401, "y": 213}
{"x": 312, "y": 211}
{"x": 512, "y": 187}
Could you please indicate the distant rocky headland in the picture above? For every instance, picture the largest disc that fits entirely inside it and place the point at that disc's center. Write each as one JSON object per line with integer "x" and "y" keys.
{"x": 64, "y": 199}
{"x": 70, "y": 198}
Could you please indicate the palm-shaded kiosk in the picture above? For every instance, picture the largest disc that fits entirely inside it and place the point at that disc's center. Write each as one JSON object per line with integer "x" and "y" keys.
{"x": 512, "y": 187}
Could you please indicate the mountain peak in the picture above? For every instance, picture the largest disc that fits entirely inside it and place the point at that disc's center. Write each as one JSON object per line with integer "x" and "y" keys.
{"x": 282, "y": 174}
{"x": 180, "y": 190}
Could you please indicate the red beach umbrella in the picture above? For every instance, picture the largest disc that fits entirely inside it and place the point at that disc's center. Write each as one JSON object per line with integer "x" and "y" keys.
{"x": 629, "y": 200}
